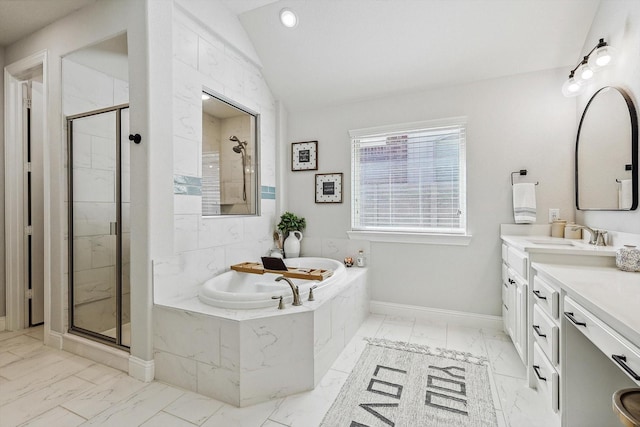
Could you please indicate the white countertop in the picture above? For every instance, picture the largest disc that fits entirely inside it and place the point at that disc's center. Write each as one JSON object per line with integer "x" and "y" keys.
{"x": 557, "y": 245}
{"x": 610, "y": 294}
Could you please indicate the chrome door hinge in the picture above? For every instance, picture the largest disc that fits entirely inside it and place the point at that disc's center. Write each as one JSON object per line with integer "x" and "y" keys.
{"x": 27, "y": 167}
{"x": 28, "y": 230}
{"x": 27, "y": 103}
{"x": 29, "y": 294}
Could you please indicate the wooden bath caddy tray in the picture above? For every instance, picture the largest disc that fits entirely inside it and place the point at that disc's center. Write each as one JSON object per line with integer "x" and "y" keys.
{"x": 293, "y": 273}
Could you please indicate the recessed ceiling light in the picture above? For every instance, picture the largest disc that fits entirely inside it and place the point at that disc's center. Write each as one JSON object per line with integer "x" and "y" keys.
{"x": 288, "y": 18}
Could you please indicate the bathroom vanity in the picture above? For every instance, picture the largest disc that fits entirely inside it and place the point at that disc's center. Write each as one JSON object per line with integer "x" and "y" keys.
{"x": 586, "y": 340}
{"x": 573, "y": 318}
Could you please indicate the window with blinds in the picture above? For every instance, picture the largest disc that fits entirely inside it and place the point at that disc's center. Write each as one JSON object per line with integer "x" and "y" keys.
{"x": 409, "y": 178}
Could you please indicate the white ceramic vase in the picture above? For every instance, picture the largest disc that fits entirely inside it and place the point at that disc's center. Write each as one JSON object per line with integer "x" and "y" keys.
{"x": 292, "y": 244}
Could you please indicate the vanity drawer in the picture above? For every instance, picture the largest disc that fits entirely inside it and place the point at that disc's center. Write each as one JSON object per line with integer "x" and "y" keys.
{"x": 623, "y": 353}
{"x": 546, "y": 377}
{"x": 518, "y": 261}
{"x": 546, "y": 296}
{"x": 546, "y": 334}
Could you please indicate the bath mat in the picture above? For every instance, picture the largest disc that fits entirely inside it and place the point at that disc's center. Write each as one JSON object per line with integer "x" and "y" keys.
{"x": 405, "y": 385}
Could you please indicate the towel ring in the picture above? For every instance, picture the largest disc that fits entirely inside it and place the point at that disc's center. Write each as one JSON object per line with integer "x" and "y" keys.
{"x": 521, "y": 172}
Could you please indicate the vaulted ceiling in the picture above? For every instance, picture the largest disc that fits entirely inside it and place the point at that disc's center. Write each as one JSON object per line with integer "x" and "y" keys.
{"x": 352, "y": 50}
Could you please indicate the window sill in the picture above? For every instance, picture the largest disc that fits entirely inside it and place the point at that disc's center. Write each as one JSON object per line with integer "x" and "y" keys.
{"x": 416, "y": 238}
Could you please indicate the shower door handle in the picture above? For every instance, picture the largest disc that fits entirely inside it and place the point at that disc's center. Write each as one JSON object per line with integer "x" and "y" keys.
{"x": 113, "y": 228}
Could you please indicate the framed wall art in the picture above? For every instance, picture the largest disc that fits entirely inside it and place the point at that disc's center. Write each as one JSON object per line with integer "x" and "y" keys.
{"x": 304, "y": 156}
{"x": 329, "y": 188}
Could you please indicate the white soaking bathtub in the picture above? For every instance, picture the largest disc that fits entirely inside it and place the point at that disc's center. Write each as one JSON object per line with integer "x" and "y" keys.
{"x": 236, "y": 290}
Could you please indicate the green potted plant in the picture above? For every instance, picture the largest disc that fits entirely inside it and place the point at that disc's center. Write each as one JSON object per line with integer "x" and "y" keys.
{"x": 291, "y": 227}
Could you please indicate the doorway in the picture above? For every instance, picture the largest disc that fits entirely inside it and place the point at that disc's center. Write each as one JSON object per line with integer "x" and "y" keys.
{"x": 98, "y": 159}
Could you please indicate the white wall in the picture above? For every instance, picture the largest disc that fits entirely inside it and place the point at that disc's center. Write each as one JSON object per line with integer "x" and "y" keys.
{"x": 101, "y": 21}
{"x": 2, "y": 278}
{"x": 518, "y": 122}
{"x": 618, "y": 22}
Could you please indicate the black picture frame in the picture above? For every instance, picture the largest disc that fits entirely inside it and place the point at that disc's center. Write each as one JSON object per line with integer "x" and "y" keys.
{"x": 304, "y": 156}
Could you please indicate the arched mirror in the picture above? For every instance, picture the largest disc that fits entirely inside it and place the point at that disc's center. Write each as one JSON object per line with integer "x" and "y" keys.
{"x": 607, "y": 153}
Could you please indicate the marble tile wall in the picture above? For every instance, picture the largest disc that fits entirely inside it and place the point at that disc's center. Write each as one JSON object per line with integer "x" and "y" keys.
{"x": 84, "y": 90}
{"x": 249, "y": 360}
{"x": 205, "y": 246}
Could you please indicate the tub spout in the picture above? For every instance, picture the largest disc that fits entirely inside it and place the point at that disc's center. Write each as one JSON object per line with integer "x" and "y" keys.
{"x": 294, "y": 290}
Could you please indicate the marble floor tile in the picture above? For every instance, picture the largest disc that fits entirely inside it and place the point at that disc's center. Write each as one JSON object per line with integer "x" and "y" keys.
{"x": 101, "y": 397}
{"x": 98, "y": 373}
{"x": 37, "y": 332}
{"x": 138, "y": 407}
{"x": 521, "y": 405}
{"x": 194, "y": 408}
{"x": 395, "y": 329}
{"x": 52, "y": 388}
{"x": 504, "y": 359}
{"x": 433, "y": 334}
{"x": 57, "y": 417}
{"x": 41, "y": 378}
{"x": 250, "y": 416}
{"x": 308, "y": 409}
{"x": 164, "y": 419}
{"x": 42, "y": 400}
{"x": 350, "y": 355}
{"x": 465, "y": 339}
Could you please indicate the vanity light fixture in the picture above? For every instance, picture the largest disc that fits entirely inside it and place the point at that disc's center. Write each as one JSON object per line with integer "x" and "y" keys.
{"x": 597, "y": 58}
{"x": 288, "y": 18}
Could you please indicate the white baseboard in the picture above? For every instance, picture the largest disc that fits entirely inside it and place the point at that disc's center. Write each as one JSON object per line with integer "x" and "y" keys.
{"x": 53, "y": 339}
{"x": 101, "y": 353}
{"x": 3, "y": 323}
{"x": 459, "y": 318}
{"x": 143, "y": 370}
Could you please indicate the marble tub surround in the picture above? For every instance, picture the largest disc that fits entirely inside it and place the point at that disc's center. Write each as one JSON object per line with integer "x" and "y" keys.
{"x": 244, "y": 357}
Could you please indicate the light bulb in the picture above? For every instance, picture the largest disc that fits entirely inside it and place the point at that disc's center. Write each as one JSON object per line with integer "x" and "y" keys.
{"x": 288, "y": 18}
{"x": 601, "y": 57}
{"x": 585, "y": 72}
{"x": 572, "y": 87}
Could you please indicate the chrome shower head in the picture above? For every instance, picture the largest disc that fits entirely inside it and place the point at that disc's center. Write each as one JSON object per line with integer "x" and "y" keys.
{"x": 238, "y": 149}
{"x": 234, "y": 138}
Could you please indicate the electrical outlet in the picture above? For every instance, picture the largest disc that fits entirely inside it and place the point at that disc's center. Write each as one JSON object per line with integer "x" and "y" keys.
{"x": 554, "y": 213}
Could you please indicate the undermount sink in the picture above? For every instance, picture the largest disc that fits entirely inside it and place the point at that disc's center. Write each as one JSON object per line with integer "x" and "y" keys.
{"x": 552, "y": 242}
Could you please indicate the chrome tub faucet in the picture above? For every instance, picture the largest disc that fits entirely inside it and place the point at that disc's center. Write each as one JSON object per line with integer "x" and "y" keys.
{"x": 294, "y": 290}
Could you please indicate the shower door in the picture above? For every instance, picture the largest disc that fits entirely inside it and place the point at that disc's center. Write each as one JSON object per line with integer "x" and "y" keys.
{"x": 98, "y": 170}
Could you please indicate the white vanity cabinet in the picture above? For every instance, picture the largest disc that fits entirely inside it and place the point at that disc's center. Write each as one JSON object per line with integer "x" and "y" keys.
{"x": 515, "y": 270}
{"x": 586, "y": 339}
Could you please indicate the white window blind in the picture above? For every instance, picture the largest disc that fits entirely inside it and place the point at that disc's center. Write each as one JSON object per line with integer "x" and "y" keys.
{"x": 410, "y": 178}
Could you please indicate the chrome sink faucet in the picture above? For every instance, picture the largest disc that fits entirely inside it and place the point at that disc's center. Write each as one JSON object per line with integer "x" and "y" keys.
{"x": 596, "y": 236}
{"x": 294, "y": 290}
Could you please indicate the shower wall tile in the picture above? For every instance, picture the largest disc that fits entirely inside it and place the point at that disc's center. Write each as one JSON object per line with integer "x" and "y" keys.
{"x": 185, "y": 232}
{"x": 91, "y": 185}
{"x": 81, "y": 150}
{"x": 219, "y": 231}
{"x": 185, "y": 204}
{"x": 185, "y": 45}
{"x": 85, "y": 89}
{"x": 187, "y": 83}
{"x": 187, "y": 120}
{"x": 211, "y": 60}
{"x": 103, "y": 153}
{"x": 103, "y": 251}
{"x": 186, "y": 155}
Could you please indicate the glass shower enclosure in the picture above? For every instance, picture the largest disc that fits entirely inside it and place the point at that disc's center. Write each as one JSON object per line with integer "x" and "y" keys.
{"x": 99, "y": 233}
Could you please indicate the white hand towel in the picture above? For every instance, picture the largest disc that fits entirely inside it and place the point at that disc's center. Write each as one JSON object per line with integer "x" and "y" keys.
{"x": 524, "y": 203}
{"x": 625, "y": 194}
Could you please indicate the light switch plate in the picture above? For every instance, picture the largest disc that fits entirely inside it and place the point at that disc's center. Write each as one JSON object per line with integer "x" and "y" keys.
{"x": 554, "y": 213}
